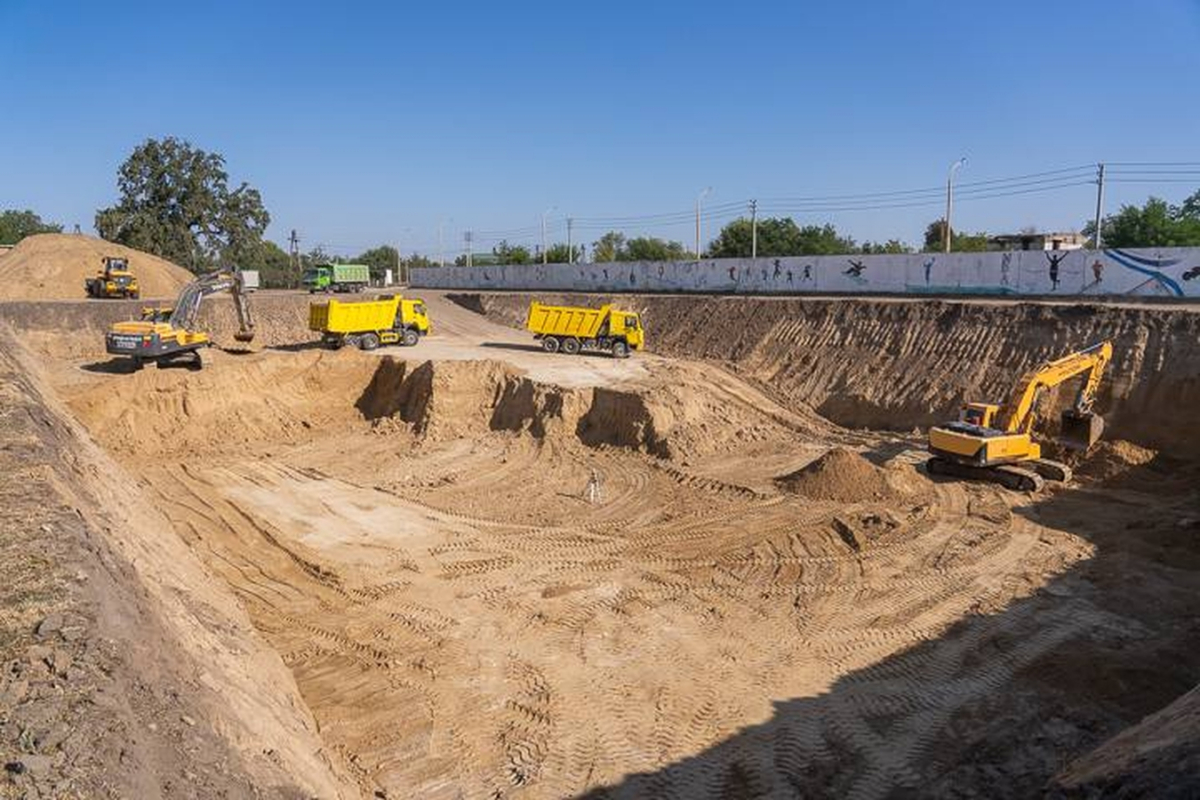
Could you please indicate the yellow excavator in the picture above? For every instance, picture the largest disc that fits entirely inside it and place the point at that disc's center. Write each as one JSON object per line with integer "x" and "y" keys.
{"x": 993, "y": 443}
{"x": 171, "y": 337}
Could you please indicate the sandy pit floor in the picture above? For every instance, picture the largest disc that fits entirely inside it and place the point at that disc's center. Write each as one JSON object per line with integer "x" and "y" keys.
{"x": 759, "y": 601}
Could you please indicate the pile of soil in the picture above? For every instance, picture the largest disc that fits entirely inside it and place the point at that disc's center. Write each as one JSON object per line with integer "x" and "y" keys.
{"x": 1110, "y": 459}
{"x": 841, "y": 476}
{"x": 53, "y": 266}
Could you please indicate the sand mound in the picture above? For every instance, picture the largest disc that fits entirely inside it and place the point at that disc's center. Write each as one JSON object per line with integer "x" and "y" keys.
{"x": 53, "y": 266}
{"x": 840, "y": 475}
{"x": 1110, "y": 459}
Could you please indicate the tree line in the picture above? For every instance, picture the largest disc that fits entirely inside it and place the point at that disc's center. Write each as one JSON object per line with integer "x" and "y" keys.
{"x": 177, "y": 201}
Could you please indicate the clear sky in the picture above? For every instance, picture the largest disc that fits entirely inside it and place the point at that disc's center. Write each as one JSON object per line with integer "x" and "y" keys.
{"x": 364, "y": 123}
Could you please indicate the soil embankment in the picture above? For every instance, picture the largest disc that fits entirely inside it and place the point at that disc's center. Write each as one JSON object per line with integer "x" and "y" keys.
{"x": 897, "y": 365}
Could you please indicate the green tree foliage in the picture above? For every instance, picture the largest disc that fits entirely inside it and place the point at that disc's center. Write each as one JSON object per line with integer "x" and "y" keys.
{"x": 608, "y": 247}
{"x": 961, "y": 242}
{"x": 890, "y": 247}
{"x": 274, "y": 266}
{"x": 1155, "y": 224}
{"x": 175, "y": 202}
{"x": 778, "y": 237}
{"x": 16, "y": 225}
{"x": 649, "y": 248}
{"x": 380, "y": 260}
{"x": 506, "y": 253}
{"x": 559, "y": 254}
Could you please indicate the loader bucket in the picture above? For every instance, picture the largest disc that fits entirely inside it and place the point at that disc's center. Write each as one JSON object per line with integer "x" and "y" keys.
{"x": 1080, "y": 430}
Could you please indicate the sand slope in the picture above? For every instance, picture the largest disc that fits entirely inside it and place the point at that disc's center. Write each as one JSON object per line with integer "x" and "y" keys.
{"x": 53, "y": 266}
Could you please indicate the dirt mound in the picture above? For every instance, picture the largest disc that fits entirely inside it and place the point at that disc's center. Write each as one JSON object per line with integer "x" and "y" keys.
{"x": 53, "y": 266}
{"x": 1108, "y": 460}
{"x": 840, "y": 475}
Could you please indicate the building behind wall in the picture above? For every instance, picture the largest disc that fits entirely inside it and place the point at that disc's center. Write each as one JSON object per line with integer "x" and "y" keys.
{"x": 1038, "y": 241}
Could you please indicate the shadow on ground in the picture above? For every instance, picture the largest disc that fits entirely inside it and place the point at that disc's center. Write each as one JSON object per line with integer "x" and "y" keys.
{"x": 1006, "y": 698}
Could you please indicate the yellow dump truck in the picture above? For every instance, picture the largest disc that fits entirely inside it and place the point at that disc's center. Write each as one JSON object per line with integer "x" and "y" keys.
{"x": 573, "y": 329}
{"x": 369, "y": 323}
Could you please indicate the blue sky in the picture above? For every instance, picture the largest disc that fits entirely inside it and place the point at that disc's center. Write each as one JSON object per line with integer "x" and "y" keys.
{"x": 364, "y": 123}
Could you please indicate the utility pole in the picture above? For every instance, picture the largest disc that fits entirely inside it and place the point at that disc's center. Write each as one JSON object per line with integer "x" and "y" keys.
{"x": 545, "y": 252}
{"x": 946, "y": 229}
{"x": 753, "y": 229}
{"x": 294, "y": 249}
{"x": 467, "y": 236}
{"x": 699, "y": 197}
{"x": 570, "y": 250}
{"x": 1099, "y": 205}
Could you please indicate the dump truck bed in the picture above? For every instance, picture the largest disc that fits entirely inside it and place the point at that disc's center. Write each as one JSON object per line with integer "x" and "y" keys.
{"x": 336, "y": 316}
{"x": 577, "y": 321}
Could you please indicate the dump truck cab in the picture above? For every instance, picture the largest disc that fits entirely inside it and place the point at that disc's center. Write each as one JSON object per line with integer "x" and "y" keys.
{"x": 627, "y": 324}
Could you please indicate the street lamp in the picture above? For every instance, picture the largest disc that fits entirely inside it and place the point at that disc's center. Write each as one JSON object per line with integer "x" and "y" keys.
{"x": 950, "y": 200}
{"x": 545, "y": 252}
{"x": 700, "y": 197}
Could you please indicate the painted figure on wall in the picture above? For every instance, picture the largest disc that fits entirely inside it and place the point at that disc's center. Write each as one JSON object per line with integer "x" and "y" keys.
{"x": 775, "y": 276}
{"x": 928, "y": 265}
{"x": 1055, "y": 258}
{"x": 1005, "y": 266}
{"x": 807, "y": 274}
{"x": 1098, "y": 270}
{"x": 855, "y": 271}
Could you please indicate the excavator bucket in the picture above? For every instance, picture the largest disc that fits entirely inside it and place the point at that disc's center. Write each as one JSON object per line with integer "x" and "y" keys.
{"x": 1080, "y": 430}
{"x": 244, "y": 336}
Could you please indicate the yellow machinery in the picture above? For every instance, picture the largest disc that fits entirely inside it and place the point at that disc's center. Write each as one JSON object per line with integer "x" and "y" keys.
{"x": 165, "y": 337}
{"x": 114, "y": 281}
{"x": 573, "y": 329}
{"x": 369, "y": 323}
{"x": 991, "y": 442}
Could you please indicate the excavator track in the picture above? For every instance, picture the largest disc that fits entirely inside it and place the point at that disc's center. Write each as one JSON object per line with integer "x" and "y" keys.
{"x": 1051, "y": 470}
{"x": 1010, "y": 477}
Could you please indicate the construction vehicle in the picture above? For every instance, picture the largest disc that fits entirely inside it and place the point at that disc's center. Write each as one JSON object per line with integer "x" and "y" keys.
{"x": 994, "y": 443}
{"x": 170, "y": 336}
{"x": 114, "y": 281}
{"x": 390, "y": 319}
{"x": 337, "y": 278}
{"x": 574, "y": 329}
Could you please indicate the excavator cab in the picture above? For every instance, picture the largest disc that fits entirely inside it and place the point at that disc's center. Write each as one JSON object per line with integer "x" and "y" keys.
{"x": 1080, "y": 429}
{"x": 982, "y": 415}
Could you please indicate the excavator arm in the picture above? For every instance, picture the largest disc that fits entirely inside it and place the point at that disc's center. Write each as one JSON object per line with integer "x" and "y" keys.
{"x": 1089, "y": 363}
{"x": 187, "y": 306}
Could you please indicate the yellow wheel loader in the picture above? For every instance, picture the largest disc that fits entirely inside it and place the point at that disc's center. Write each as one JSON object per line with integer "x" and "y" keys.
{"x": 168, "y": 336}
{"x": 115, "y": 280}
{"x": 993, "y": 443}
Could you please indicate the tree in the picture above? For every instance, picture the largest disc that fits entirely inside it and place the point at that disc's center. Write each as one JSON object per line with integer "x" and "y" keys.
{"x": 890, "y": 247}
{"x": 16, "y": 225}
{"x": 510, "y": 254}
{"x": 778, "y": 237}
{"x": 274, "y": 266}
{"x": 175, "y": 202}
{"x": 608, "y": 247}
{"x": 1156, "y": 224}
{"x": 960, "y": 242}
{"x": 559, "y": 254}
{"x": 649, "y": 248}
{"x": 380, "y": 259}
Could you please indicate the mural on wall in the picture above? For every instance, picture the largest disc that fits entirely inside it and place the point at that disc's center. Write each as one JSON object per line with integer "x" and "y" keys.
{"x": 1166, "y": 272}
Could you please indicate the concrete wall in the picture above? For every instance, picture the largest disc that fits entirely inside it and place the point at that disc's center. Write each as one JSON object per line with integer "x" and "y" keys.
{"x": 1167, "y": 272}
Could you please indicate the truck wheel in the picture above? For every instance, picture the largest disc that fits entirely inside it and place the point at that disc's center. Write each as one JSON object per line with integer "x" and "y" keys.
{"x": 368, "y": 341}
{"x": 570, "y": 346}
{"x": 620, "y": 350}
{"x": 550, "y": 344}
{"x": 410, "y": 338}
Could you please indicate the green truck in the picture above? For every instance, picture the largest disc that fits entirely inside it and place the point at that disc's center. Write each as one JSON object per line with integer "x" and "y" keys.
{"x": 337, "y": 278}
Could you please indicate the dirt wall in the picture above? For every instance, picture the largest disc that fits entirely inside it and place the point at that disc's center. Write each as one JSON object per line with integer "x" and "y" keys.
{"x": 898, "y": 365}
